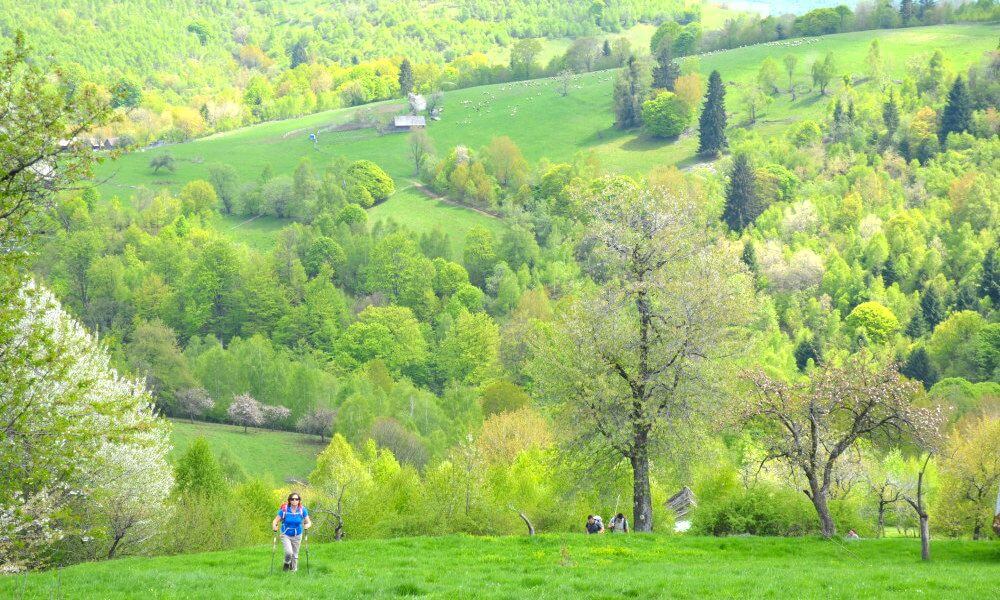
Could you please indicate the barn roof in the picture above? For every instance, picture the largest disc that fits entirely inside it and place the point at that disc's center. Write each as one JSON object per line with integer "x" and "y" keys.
{"x": 410, "y": 121}
{"x": 682, "y": 501}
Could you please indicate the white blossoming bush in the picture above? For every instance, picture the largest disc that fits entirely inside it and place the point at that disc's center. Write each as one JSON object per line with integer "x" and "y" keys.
{"x": 82, "y": 452}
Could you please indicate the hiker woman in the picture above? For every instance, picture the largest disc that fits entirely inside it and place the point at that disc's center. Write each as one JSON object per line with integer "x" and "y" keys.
{"x": 293, "y": 519}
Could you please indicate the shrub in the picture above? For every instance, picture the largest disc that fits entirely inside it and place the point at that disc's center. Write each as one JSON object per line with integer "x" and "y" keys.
{"x": 666, "y": 115}
{"x": 368, "y": 183}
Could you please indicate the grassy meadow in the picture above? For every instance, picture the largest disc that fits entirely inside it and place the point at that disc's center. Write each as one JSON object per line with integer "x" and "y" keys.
{"x": 547, "y": 566}
{"x": 543, "y": 123}
{"x": 274, "y": 455}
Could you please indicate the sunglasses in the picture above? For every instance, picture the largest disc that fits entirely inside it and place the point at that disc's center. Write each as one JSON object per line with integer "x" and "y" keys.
{"x": 294, "y": 499}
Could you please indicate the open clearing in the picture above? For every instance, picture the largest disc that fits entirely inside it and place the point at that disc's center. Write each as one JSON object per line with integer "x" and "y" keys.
{"x": 277, "y": 455}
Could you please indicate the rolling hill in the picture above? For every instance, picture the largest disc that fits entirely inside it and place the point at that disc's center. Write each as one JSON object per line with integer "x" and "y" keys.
{"x": 543, "y": 123}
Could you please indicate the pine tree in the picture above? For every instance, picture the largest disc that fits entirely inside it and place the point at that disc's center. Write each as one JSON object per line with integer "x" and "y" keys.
{"x": 606, "y": 48}
{"x": 666, "y": 71}
{"x": 629, "y": 94}
{"x": 749, "y": 257}
{"x": 742, "y": 202}
{"x": 712, "y": 123}
{"x": 918, "y": 366}
{"x": 924, "y": 7}
{"x": 906, "y": 11}
{"x": 806, "y": 350}
{"x": 405, "y": 77}
{"x": 890, "y": 113}
{"x": 990, "y": 283}
{"x": 917, "y": 326}
{"x": 957, "y": 114}
{"x": 932, "y": 307}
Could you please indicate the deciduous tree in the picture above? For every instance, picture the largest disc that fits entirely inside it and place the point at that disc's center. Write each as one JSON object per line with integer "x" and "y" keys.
{"x": 639, "y": 353}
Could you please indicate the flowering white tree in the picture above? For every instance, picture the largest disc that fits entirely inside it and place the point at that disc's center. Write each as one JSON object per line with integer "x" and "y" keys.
{"x": 70, "y": 429}
{"x": 246, "y": 411}
{"x": 194, "y": 402}
{"x": 274, "y": 415}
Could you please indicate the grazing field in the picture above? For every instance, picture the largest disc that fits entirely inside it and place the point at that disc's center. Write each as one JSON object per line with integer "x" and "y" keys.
{"x": 278, "y": 455}
{"x": 548, "y": 566}
{"x": 541, "y": 121}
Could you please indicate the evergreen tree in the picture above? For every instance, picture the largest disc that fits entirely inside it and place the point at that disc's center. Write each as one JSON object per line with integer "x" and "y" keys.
{"x": 890, "y": 113}
{"x": 957, "y": 114}
{"x": 924, "y": 7}
{"x": 629, "y": 93}
{"x": 932, "y": 307}
{"x": 990, "y": 282}
{"x": 666, "y": 71}
{"x": 742, "y": 202}
{"x": 918, "y": 366}
{"x": 606, "y": 48}
{"x": 405, "y": 77}
{"x": 712, "y": 123}
{"x": 806, "y": 350}
{"x": 917, "y": 326}
{"x": 906, "y": 11}
{"x": 749, "y": 257}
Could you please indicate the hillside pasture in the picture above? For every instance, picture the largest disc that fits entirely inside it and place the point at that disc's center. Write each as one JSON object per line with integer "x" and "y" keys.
{"x": 543, "y": 123}
{"x": 275, "y": 455}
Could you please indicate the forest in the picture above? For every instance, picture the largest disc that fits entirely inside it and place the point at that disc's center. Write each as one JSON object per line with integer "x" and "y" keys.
{"x": 815, "y": 311}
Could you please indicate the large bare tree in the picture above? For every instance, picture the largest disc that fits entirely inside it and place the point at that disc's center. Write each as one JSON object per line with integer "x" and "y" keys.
{"x": 813, "y": 425}
{"x": 643, "y": 349}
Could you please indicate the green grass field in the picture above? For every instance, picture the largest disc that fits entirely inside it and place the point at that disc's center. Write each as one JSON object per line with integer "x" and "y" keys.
{"x": 539, "y": 120}
{"x": 548, "y": 566}
{"x": 278, "y": 455}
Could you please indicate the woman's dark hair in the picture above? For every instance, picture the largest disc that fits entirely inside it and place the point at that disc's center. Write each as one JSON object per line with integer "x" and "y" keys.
{"x": 619, "y": 516}
{"x": 289, "y": 500}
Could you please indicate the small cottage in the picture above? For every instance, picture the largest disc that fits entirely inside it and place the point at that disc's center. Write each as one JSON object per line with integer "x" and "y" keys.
{"x": 681, "y": 503}
{"x": 408, "y": 122}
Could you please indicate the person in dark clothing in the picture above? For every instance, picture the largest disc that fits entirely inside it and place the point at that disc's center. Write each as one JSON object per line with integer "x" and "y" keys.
{"x": 593, "y": 525}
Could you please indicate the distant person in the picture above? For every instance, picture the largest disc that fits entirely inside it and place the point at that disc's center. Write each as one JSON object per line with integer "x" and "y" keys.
{"x": 593, "y": 525}
{"x": 293, "y": 519}
{"x": 314, "y": 139}
{"x": 619, "y": 524}
{"x": 852, "y": 535}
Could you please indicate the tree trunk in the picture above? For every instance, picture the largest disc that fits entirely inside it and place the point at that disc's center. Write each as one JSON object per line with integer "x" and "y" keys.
{"x": 881, "y": 521}
{"x": 977, "y": 531}
{"x": 818, "y": 496}
{"x": 642, "y": 504}
{"x": 925, "y": 538}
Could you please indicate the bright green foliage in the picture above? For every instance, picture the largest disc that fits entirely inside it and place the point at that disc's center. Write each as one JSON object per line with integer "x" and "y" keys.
{"x": 388, "y": 333}
{"x": 198, "y": 197}
{"x": 954, "y": 347}
{"x": 874, "y": 321}
{"x": 198, "y": 472}
{"x": 368, "y": 184}
{"x": 470, "y": 352}
{"x": 502, "y": 396}
{"x": 823, "y": 71}
{"x": 666, "y": 115}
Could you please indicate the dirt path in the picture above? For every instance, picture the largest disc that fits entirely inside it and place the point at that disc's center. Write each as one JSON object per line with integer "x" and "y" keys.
{"x": 432, "y": 194}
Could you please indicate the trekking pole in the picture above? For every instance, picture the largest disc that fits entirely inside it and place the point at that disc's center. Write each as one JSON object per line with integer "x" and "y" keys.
{"x": 305, "y": 543}
{"x": 274, "y": 545}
